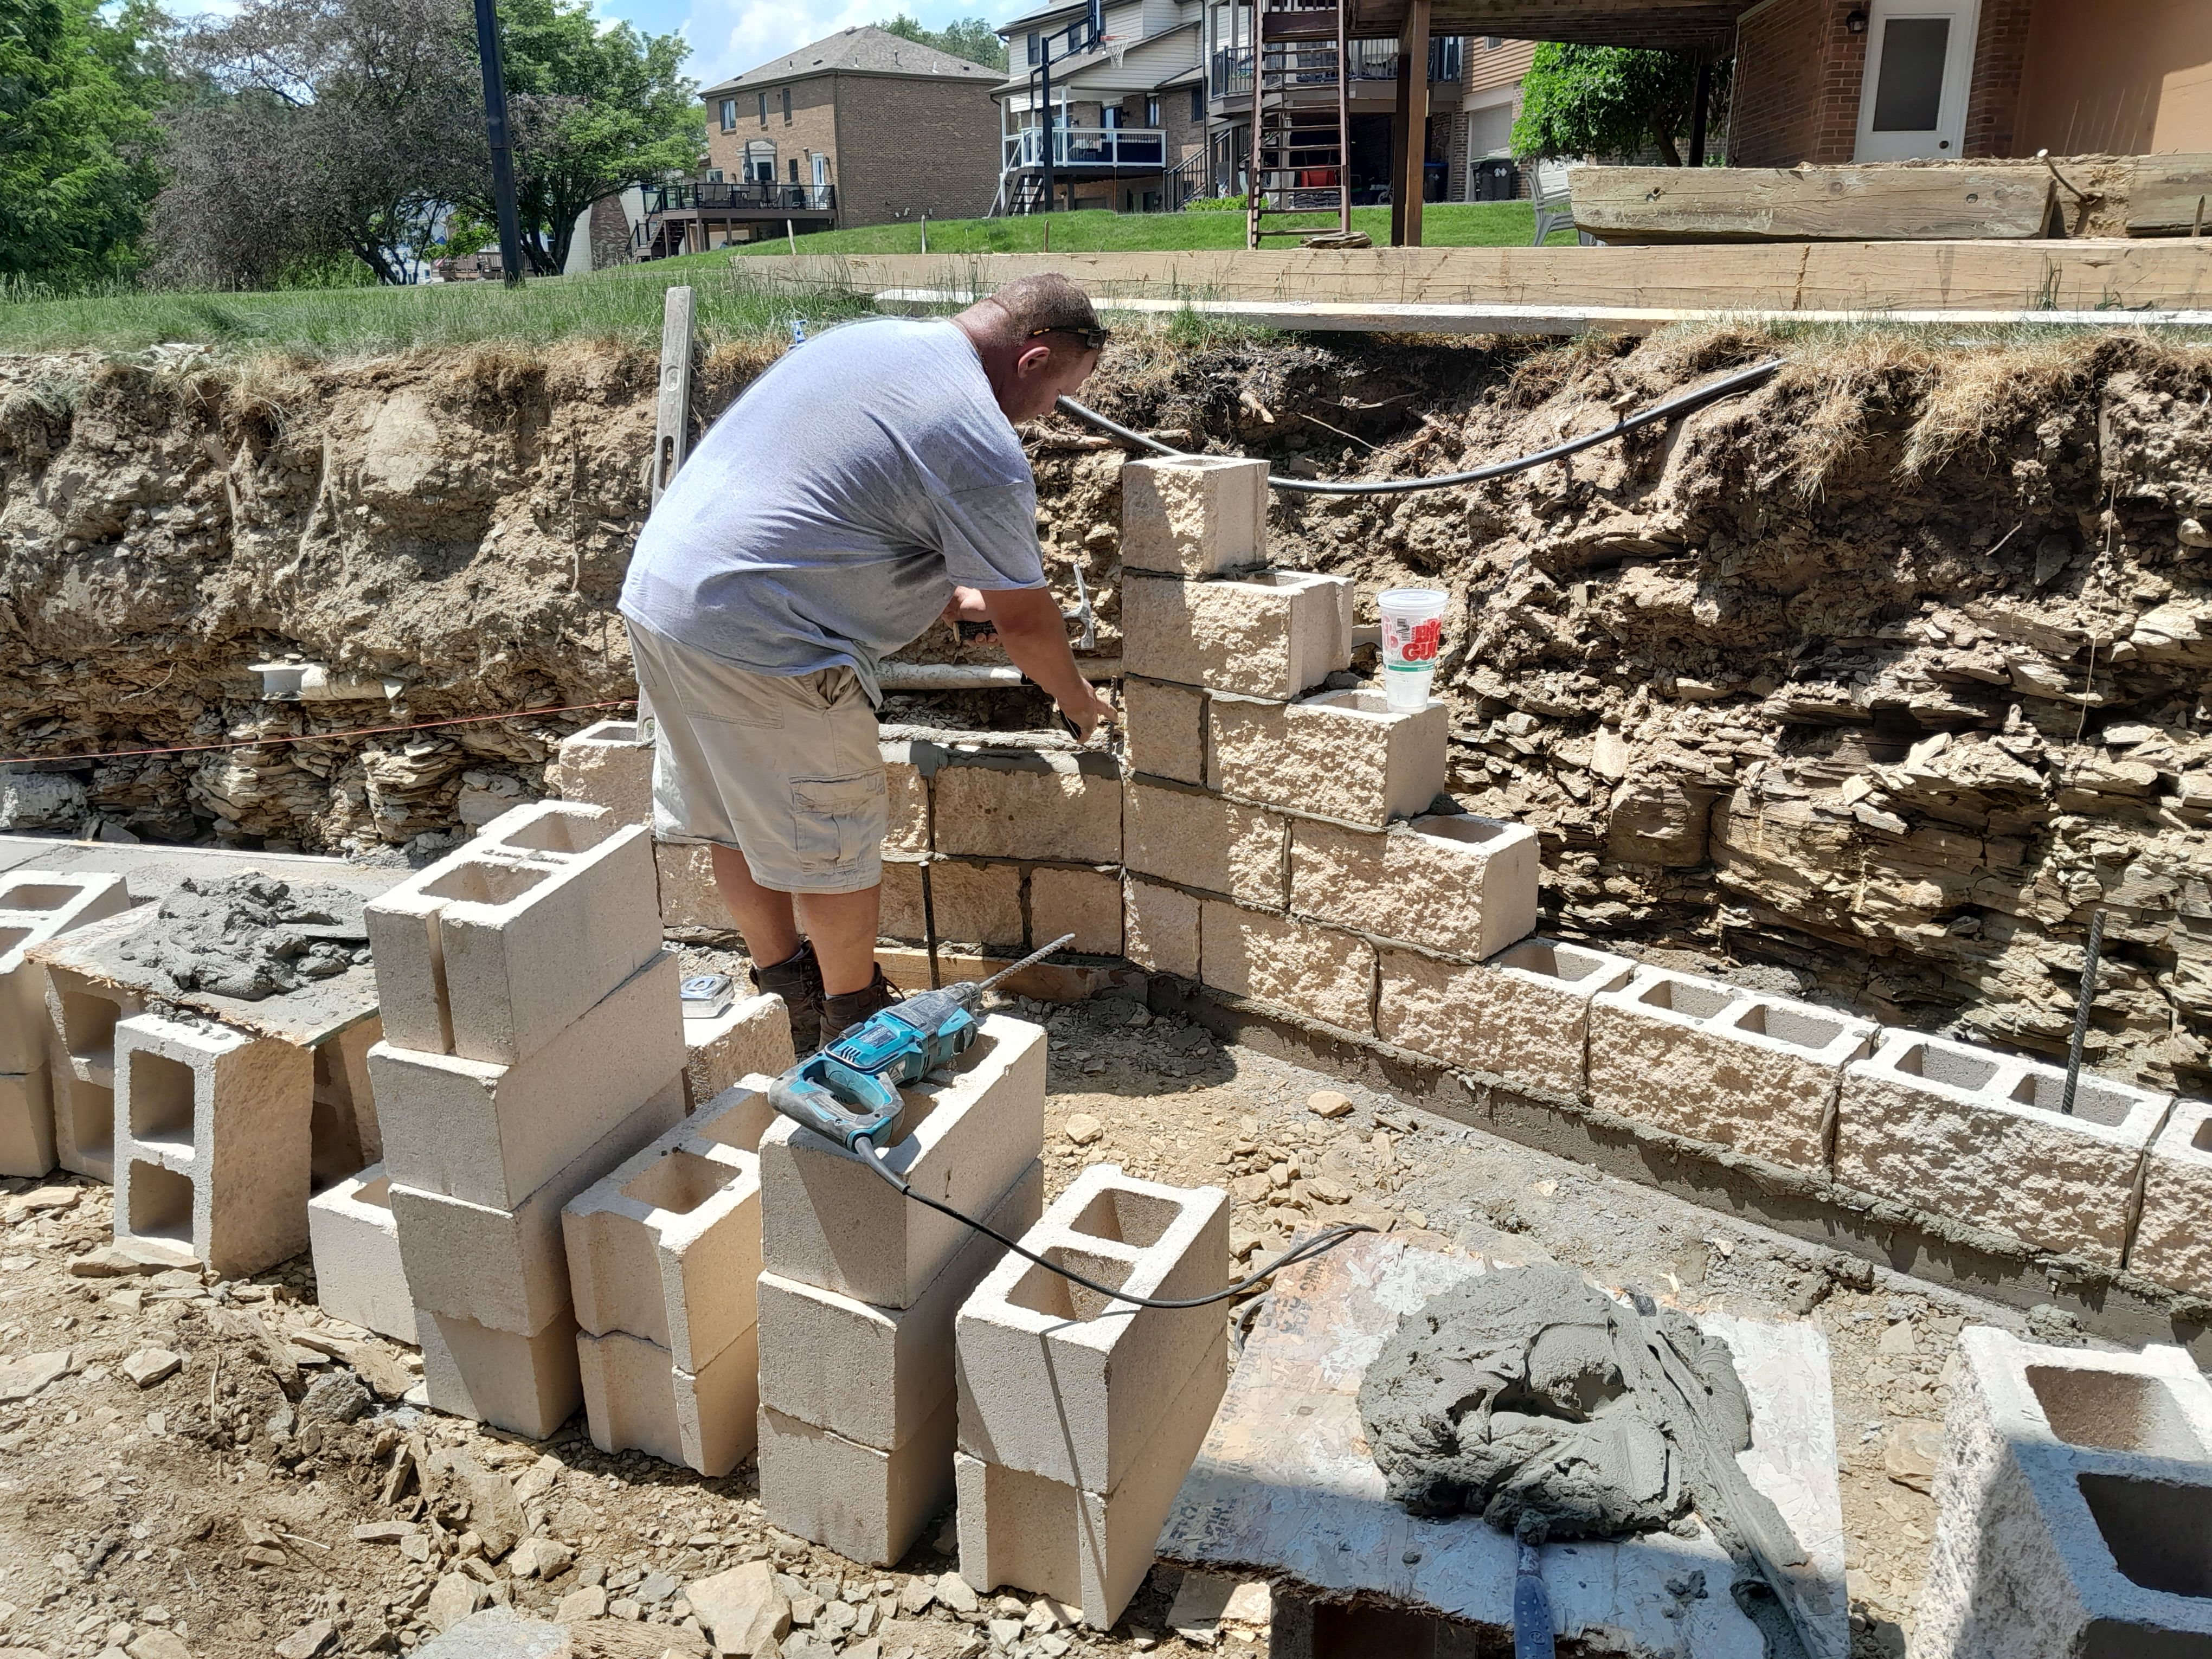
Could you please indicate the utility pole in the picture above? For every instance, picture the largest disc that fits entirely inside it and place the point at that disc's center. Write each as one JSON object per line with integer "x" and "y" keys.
{"x": 1047, "y": 67}
{"x": 502, "y": 148}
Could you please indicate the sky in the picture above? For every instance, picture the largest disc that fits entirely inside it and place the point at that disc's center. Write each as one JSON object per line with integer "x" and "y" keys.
{"x": 729, "y": 37}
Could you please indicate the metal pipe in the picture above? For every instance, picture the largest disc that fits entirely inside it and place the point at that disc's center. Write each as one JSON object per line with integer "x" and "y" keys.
{"x": 963, "y": 676}
{"x": 2089, "y": 995}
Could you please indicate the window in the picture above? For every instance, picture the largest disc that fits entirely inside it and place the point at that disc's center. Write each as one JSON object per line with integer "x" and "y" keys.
{"x": 1198, "y": 105}
{"x": 763, "y": 101}
{"x": 786, "y": 107}
{"x": 1036, "y": 47}
{"x": 794, "y": 169}
{"x": 1492, "y": 42}
{"x": 715, "y": 175}
{"x": 1152, "y": 111}
{"x": 729, "y": 113}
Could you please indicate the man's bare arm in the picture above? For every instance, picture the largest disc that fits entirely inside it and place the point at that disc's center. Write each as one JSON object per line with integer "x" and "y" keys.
{"x": 1030, "y": 626}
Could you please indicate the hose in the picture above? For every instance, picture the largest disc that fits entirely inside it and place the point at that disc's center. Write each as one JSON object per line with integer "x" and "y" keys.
{"x": 1742, "y": 380}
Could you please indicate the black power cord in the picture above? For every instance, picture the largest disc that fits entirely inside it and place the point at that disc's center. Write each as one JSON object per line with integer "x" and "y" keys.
{"x": 1312, "y": 1247}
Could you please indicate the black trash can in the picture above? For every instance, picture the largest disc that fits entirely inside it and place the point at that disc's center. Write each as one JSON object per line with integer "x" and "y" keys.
{"x": 1497, "y": 179}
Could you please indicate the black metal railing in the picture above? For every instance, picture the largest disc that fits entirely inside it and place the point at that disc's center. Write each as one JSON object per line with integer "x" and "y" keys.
{"x": 781, "y": 198}
{"x": 1231, "y": 73}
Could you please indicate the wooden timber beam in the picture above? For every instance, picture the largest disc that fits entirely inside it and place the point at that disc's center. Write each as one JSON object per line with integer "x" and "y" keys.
{"x": 1409, "y": 133}
{"x": 1631, "y": 205}
{"x": 2172, "y": 197}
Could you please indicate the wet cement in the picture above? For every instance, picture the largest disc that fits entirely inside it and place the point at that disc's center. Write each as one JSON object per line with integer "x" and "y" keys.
{"x": 248, "y": 936}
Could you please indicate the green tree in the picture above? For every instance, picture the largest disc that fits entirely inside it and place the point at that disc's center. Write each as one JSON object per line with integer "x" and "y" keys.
{"x": 1611, "y": 100}
{"x": 970, "y": 37}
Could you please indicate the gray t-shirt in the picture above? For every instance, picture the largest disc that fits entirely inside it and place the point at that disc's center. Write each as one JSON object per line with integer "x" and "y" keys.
{"x": 823, "y": 519}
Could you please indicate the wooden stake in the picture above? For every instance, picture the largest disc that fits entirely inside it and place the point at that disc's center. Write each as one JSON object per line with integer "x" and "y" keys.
{"x": 790, "y": 240}
{"x": 671, "y": 418}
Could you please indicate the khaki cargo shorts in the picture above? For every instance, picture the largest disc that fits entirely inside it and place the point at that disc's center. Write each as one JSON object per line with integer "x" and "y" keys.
{"x": 785, "y": 769}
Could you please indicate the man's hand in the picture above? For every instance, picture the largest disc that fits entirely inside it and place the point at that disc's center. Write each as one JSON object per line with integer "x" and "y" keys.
{"x": 1034, "y": 635}
{"x": 969, "y": 606}
{"x": 1087, "y": 716}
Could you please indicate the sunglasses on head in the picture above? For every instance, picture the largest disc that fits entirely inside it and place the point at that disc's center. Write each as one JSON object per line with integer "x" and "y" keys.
{"x": 1094, "y": 338}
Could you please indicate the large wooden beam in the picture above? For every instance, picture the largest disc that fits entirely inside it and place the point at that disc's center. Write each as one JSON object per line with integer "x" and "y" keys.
{"x": 1409, "y": 133}
{"x": 2173, "y": 196}
{"x": 1645, "y": 205}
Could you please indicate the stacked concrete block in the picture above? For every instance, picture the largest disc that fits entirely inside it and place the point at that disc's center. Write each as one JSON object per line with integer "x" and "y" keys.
{"x": 1452, "y": 882}
{"x": 37, "y": 905}
{"x": 1717, "y": 1063}
{"x": 1160, "y": 927}
{"x": 212, "y": 1147}
{"x": 1086, "y": 902}
{"x": 860, "y": 1289}
{"x": 607, "y": 765}
{"x": 1163, "y": 729}
{"x": 2074, "y": 1506}
{"x": 1199, "y": 839}
{"x": 345, "y": 1137}
{"x": 2172, "y": 1244}
{"x": 753, "y": 1034}
{"x": 1027, "y": 805}
{"x": 1522, "y": 1015}
{"x": 1274, "y": 634}
{"x": 1323, "y": 973}
{"x": 977, "y": 902}
{"x": 359, "y": 1277}
{"x": 1343, "y": 755}
{"x": 1079, "y": 1414}
{"x": 1195, "y": 515}
{"x": 1978, "y": 1137}
{"x": 82, "y": 1014}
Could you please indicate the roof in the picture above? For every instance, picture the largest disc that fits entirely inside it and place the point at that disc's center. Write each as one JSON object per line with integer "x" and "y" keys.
{"x": 1683, "y": 25}
{"x": 866, "y": 50}
{"x": 1051, "y": 12}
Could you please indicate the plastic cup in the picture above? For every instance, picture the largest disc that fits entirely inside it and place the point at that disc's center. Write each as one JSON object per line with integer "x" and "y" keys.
{"x": 1413, "y": 635}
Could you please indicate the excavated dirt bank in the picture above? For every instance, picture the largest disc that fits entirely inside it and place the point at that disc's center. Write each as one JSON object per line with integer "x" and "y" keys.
{"x": 1868, "y": 685}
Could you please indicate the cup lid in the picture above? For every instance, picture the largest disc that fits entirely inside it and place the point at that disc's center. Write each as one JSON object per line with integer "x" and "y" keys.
{"x": 1412, "y": 598}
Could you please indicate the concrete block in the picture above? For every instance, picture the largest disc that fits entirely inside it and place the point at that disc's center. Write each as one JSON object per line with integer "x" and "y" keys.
{"x": 907, "y": 794}
{"x": 1085, "y": 902}
{"x": 493, "y": 1135}
{"x": 689, "y": 896}
{"x": 37, "y": 905}
{"x": 1160, "y": 928}
{"x": 2074, "y": 1506}
{"x": 867, "y": 1505}
{"x": 491, "y": 952}
{"x": 1977, "y": 1137}
{"x": 27, "y": 1123}
{"x": 81, "y": 1016}
{"x": 1163, "y": 729}
{"x": 1523, "y": 1015}
{"x": 1341, "y": 755}
{"x": 1194, "y": 516}
{"x": 1274, "y": 634}
{"x": 609, "y": 765}
{"x": 525, "y": 1384}
{"x": 977, "y": 903}
{"x": 2171, "y": 1245}
{"x": 1058, "y": 1381}
{"x": 1320, "y": 972}
{"x": 212, "y": 1148}
{"x": 345, "y": 1134}
{"x": 827, "y": 1221}
{"x": 637, "y": 1397}
{"x": 753, "y": 1034}
{"x": 878, "y": 1376}
{"x": 1197, "y": 839}
{"x": 1029, "y": 804}
{"x": 1453, "y": 883}
{"x": 1716, "y": 1062}
{"x": 667, "y": 1245}
{"x": 1087, "y": 1550}
{"x": 358, "y": 1275}
{"x": 507, "y": 1269}
{"x": 899, "y": 913}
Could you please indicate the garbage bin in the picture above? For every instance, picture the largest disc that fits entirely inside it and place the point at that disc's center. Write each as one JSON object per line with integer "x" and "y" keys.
{"x": 1497, "y": 179}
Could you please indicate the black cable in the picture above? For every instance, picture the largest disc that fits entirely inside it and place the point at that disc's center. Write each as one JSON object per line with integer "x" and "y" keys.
{"x": 1312, "y": 1247}
{"x": 1742, "y": 380}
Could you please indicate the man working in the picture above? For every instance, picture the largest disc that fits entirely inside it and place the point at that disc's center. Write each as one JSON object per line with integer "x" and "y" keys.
{"x": 867, "y": 484}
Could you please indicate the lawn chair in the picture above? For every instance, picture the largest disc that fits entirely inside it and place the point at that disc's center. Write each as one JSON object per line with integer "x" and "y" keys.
{"x": 1554, "y": 207}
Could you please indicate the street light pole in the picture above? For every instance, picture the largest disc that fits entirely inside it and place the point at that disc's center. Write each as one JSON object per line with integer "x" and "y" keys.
{"x": 502, "y": 150}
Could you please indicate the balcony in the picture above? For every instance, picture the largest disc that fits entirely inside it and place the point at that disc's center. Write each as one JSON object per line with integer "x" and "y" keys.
{"x": 1127, "y": 148}
{"x": 1229, "y": 72}
{"x": 740, "y": 198}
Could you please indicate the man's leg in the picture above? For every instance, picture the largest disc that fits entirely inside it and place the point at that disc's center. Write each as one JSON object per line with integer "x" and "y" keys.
{"x": 842, "y": 926}
{"x": 763, "y": 915}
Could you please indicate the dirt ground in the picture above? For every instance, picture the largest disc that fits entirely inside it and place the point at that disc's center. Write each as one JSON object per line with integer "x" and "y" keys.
{"x": 259, "y": 1497}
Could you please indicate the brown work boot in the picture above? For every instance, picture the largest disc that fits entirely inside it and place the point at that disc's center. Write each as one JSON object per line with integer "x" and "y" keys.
{"x": 839, "y": 1014}
{"x": 797, "y": 981}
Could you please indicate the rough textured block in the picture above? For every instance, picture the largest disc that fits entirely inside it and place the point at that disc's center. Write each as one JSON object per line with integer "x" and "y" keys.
{"x": 1194, "y": 515}
{"x": 1715, "y": 1062}
{"x": 637, "y": 1397}
{"x": 1196, "y": 839}
{"x": 1341, "y": 755}
{"x": 525, "y": 1384}
{"x": 907, "y": 793}
{"x": 358, "y": 1275}
{"x": 1977, "y": 1137}
{"x": 1058, "y": 1381}
{"x": 899, "y": 912}
{"x": 609, "y": 765}
{"x": 1273, "y": 634}
{"x": 1456, "y": 884}
{"x": 752, "y": 1035}
{"x": 212, "y": 1142}
{"x": 689, "y": 895}
{"x": 977, "y": 903}
{"x": 1160, "y": 928}
{"x": 1085, "y": 902}
{"x": 878, "y": 1376}
{"x": 2172, "y": 1244}
{"x": 1164, "y": 729}
{"x": 490, "y": 952}
{"x": 27, "y": 1123}
{"x": 1030, "y": 805}
{"x": 1319, "y": 972}
{"x": 667, "y": 1245}
{"x": 826, "y": 1220}
{"x": 2074, "y": 1507}
{"x": 1522, "y": 1016}
{"x": 493, "y": 1135}
{"x": 867, "y": 1505}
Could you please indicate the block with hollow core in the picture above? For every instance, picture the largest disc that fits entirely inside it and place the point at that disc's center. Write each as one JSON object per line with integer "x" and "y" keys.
{"x": 1452, "y": 882}
{"x": 1196, "y": 838}
{"x": 977, "y": 903}
{"x": 525, "y": 1384}
{"x": 826, "y": 1220}
{"x": 1087, "y": 1550}
{"x": 37, "y": 905}
{"x": 1344, "y": 755}
{"x": 1522, "y": 1015}
{"x": 1059, "y": 1380}
{"x": 1273, "y": 634}
{"x": 609, "y": 764}
{"x": 2172, "y": 1244}
{"x": 907, "y": 796}
{"x": 1715, "y": 1062}
{"x": 2074, "y": 1506}
{"x": 27, "y": 1123}
{"x": 637, "y": 1397}
{"x": 1160, "y": 927}
{"x": 358, "y": 1275}
{"x": 1028, "y": 804}
{"x": 878, "y": 1376}
{"x": 1085, "y": 902}
{"x": 1321, "y": 973}
{"x": 211, "y": 1141}
{"x": 346, "y": 1134}
{"x": 1976, "y": 1136}
{"x": 491, "y": 952}
{"x": 82, "y": 1015}
{"x": 1163, "y": 729}
{"x": 493, "y": 1135}
{"x": 1195, "y": 515}
{"x": 666, "y": 1245}
{"x": 752, "y": 1035}
{"x": 508, "y": 1270}
{"x": 689, "y": 895}
{"x": 867, "y": 1505}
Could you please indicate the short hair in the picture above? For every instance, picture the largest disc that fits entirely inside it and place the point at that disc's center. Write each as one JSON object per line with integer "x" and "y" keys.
{"x": 1045, "y": 299}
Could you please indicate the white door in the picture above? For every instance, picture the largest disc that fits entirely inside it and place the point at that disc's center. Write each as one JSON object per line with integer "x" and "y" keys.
{"x": 1919, "y": 66}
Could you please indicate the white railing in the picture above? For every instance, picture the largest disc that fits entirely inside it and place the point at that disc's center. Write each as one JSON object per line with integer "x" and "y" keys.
{"x": 1089, "y": 147}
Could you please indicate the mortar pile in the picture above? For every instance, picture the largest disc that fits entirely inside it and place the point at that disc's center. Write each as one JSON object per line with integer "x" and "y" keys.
{"x": 250, "y": 936}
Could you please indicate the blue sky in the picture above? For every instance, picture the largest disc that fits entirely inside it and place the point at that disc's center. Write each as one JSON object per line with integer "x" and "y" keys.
{"x": 728, "y": 36}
